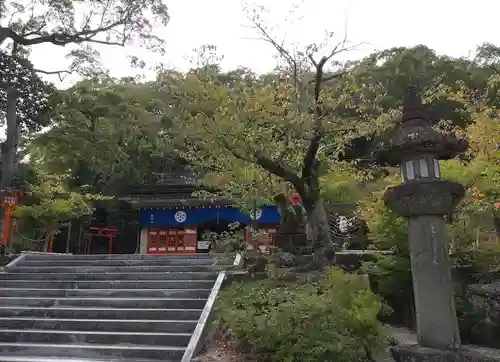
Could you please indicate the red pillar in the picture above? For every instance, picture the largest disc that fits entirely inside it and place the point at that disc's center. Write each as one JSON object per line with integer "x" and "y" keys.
{"x": 51, "y": 242}
{"x": 6, "y": 228}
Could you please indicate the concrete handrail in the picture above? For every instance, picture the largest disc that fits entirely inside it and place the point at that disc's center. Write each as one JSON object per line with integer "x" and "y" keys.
{"x": 43, "y": 253}
{"x": 196, "y": 341}
{"x": 28, "y": 252}
{"x": 15, "y": 261}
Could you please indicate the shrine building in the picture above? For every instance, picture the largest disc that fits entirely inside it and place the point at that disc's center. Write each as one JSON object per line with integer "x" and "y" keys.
{"x": 173, "y": 220}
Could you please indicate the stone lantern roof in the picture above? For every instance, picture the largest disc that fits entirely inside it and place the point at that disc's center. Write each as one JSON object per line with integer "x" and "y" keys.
{"x": 414, "y": 136}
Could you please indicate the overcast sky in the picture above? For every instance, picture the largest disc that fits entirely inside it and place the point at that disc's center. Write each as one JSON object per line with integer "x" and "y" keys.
{"x": 453, "y": 27}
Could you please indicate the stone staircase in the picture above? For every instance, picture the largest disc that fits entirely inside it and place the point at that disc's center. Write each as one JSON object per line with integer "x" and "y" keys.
{"x": 104, "y": 308}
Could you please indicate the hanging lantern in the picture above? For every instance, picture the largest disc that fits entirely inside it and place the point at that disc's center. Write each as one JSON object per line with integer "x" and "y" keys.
{"x": 295, "y": 199}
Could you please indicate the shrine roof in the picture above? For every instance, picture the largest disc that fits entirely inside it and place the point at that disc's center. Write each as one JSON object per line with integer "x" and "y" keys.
{"x": 162, "y": 202}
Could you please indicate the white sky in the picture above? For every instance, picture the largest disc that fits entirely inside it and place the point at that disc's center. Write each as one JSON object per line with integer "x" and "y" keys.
{"x": 453, "y": 27}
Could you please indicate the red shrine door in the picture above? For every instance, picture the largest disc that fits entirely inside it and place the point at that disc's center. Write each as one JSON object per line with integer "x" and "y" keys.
{"x": 171, "y": 241}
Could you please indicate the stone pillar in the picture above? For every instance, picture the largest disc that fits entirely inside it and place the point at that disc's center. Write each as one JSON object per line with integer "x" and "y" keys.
{"x": 434, "y": 302}
{"x": 424, "y": 199}
{"x": 424, "y": 203}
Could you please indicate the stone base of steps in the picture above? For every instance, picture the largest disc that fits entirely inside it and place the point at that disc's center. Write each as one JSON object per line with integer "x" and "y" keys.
{"x": 119, "y": 308}
{"x": 100, "y": 313}
{"x": 77, "y": 352}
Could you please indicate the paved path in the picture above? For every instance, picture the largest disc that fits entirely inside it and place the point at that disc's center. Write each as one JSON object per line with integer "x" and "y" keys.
{"x": 402, "y": 336}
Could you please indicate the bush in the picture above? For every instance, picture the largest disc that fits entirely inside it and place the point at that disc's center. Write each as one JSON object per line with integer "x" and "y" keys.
{"x": 334, "y": 319}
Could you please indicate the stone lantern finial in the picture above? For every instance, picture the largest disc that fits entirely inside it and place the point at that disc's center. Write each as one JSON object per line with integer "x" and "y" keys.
{"x": 412, "y": 104}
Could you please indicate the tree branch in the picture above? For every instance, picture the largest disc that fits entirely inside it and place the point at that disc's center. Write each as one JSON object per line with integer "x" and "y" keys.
{"x": 263, "y": 161}
{"x": 312, "y": 150}
{"x": 59, "y": 73}
{"x": 62, "y": 39}
{"x": 330, "y": 77}
{"x": 276, "y": 168}
{"x": 280, "y": 48}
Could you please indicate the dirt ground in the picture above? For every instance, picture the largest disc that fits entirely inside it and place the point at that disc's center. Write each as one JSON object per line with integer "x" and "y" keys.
{"x": 220, "y": 351}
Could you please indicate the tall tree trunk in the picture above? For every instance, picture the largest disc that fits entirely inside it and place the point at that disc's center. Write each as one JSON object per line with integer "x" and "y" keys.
{"x": 9, "y": 147}
{"x": 308, "y": 189}
{"x": 317, "y": 220}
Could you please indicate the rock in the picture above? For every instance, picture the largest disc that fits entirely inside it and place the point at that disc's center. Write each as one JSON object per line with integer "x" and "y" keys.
{"x": 304, "y": 259}
{"x": 352, "y": 260}
{"x": 416, "y": 353}
{"x": 286, "y": 260}
{"x": 486, "y": 300}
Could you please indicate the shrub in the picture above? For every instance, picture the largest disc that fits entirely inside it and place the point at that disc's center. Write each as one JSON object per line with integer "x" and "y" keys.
{"x": 334, "y": 319}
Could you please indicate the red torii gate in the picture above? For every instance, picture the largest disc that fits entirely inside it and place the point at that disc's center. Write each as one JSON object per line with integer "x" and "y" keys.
{"x": 107, "y": 232}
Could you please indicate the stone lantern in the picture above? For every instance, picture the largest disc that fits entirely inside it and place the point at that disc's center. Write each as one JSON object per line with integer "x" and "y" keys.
{"x": 424, "y": 198}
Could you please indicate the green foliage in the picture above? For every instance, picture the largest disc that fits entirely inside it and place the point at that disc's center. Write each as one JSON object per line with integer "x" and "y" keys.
{"x": 334, "y": 319}
{"x": 108, "y": 134}
{"x": 49, "y": 203}
{"x": 34, "y": 92}
{"x": 229, "y": 241}
{"x": 341, "y": 184}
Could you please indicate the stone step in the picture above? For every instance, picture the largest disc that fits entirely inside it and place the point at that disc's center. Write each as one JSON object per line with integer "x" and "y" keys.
{"x": 208, "y": 275}
{"x": 69, "y": 359}
{"x": 108, "y": 284}
{"x": 116, "y": 256}
{"x": 102, "y": 325}
{"x": 143, "y": 303}
{"x": 95, "y": 337}
{"x": 100, "y": 313}
{"x": 115, "y": 262}
{"x": 111, "y": 269}
{"x": 90, "y": 352}
{"x": 108, "y": 293}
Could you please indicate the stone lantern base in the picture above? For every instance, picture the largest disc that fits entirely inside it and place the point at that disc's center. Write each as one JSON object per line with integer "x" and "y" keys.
{"x": 416, "y": 353}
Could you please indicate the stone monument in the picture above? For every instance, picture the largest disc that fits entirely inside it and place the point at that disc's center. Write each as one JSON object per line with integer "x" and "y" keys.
{"x": 424, "y": 198}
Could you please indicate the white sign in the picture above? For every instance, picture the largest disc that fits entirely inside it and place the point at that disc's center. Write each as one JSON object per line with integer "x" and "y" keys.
{"x": 203, "y": 244}
{"x": 256, "y": 215}
{"x": 180, "y": 216}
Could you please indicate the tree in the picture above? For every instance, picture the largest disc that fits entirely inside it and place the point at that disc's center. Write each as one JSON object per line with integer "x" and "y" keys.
{"x": 50, "y": 204}
{"x": 380, "y": 79}
{"x": 282, "y": 127}
{"x": 105, "y": 136}
{"x": 61, "y": 23}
